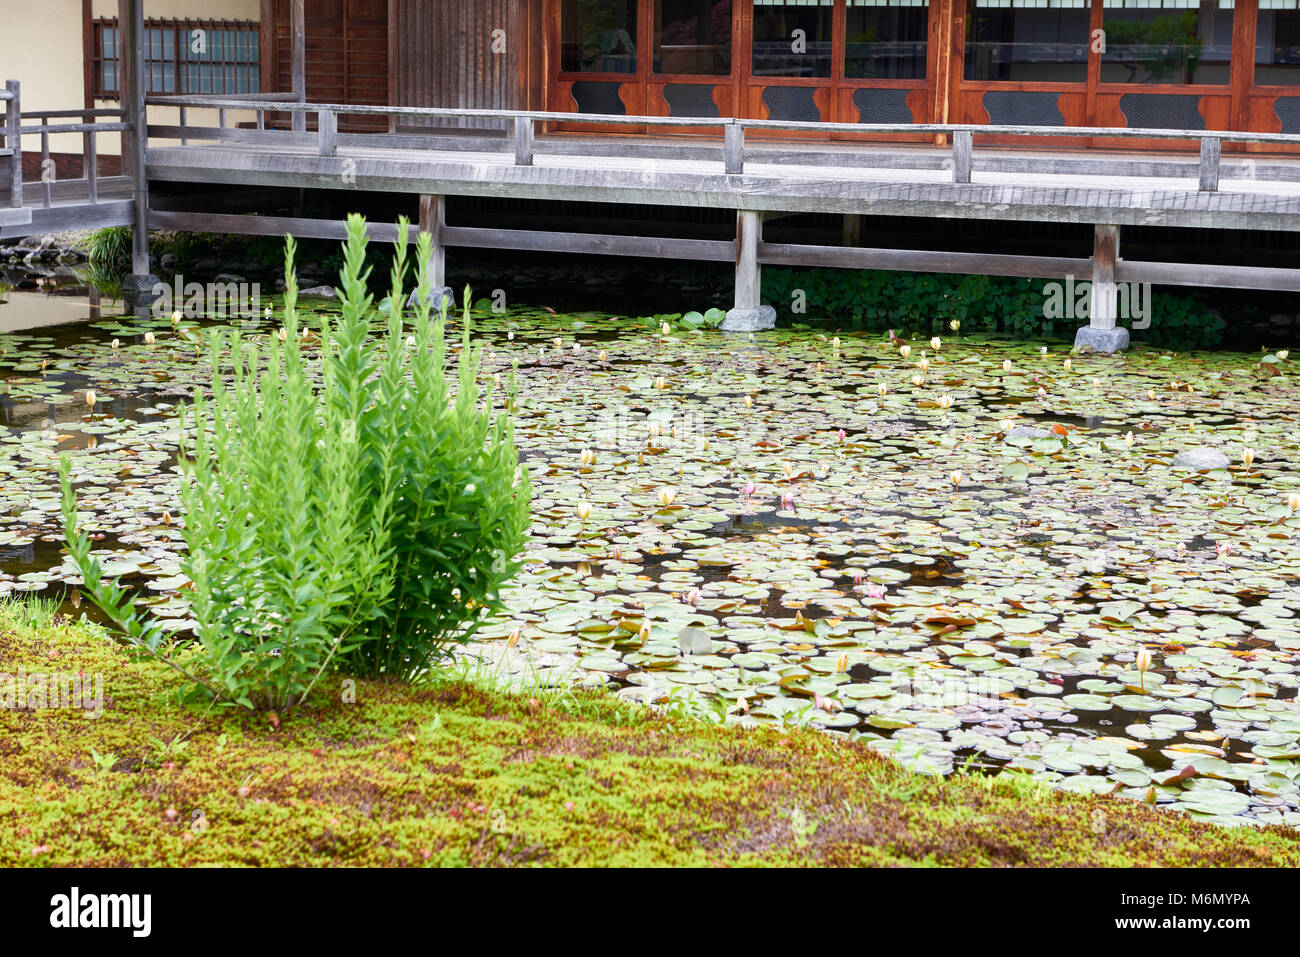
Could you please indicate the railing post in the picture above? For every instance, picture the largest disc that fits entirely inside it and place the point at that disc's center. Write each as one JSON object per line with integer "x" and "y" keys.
{"x": 327, "y": 132}
{"x": 184, "y": 118}
{"x": 1211, "y": 153}
{"x": 92, "y": 168}
{"x": 47, "y": 165}
{"x": 733, "y": 148}
{"x": 962, "y": 145}
{"x": 748, "y": 314}
{"x": 14, "y": 140}
{"x": 1101, "y": 334}
{"x": 433, "y": 215}
{"x": 523, "y": 141}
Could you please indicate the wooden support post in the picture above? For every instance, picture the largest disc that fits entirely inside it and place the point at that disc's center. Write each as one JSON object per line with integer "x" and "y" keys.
{"x": 523, "y": 141}
{"x": 749, "y": 278}
{"x": 748, "y": 314}
{"x": 1105, "y": 253}
{"x": 14, "y": 141}
{"x": 433, "y": 216}
{"x": 851, "y": 230}
{"x": 1211, "y": 152}
{"x": 961, "y": 156}
{"x": 298, "y": 33}
{"x": 733, "y": 148}
{"x": 131, "y": 76}
{"x": 327, "y": 132}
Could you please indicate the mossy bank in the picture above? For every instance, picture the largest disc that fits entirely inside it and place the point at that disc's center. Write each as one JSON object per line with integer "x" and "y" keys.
{"x": 454, "y": 773}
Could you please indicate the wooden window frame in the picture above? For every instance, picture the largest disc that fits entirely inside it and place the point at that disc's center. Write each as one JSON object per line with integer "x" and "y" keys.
{"x": 181, "y": 29}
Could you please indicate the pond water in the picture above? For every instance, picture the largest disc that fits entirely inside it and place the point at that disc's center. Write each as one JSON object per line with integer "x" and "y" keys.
{"x": 890, "y": 566}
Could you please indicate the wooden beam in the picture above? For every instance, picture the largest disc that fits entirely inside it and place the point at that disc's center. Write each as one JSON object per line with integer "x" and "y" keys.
{"x": 921, "y": 260}
{"x": 598, "y": 244}
{"x": 1211, "y": 151}
{"x": 1104, "y": 296}
{"x": 1214, "y": 276}
{"x": 301, "y": 228}
{"x": 132, "y": 78}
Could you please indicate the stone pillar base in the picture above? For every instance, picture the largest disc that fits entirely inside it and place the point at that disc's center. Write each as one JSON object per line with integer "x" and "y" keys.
{"x": 437, "y": 297}
{"x": 749, "y": 320}
{"x": 1101, "y": 340}
{"x": 138, "y": 289}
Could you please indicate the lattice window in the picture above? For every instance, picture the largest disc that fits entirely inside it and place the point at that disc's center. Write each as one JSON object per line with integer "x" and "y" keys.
{"x": 218, "y": 57}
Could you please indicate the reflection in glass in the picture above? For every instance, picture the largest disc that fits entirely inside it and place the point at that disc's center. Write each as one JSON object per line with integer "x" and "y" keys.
{"x": 886, "y": 39}
{"x": 1027, "y": 40}
{"x": 793, "y": 39}
{"x": 1277, "y": 43}
{"x": 1181, "y": 41}
{"x": 598, "y": 36}
{"x": 693, "y": 37}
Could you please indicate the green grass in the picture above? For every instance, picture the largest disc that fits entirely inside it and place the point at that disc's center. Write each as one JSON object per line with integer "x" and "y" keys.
{"x": 472, "y": 770}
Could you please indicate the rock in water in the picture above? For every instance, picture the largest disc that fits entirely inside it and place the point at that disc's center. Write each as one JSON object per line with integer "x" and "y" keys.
{"x": 1200, "y": 458}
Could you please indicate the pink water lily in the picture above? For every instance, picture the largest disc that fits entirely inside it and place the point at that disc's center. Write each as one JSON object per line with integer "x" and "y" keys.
{"x": 748, "y": 489}
{"x": 875, "y": 591}
{"x": 787, "y": 500}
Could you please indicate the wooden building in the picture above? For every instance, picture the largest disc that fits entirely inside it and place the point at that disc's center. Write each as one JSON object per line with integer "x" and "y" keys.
{"x": 1179, "y": 64}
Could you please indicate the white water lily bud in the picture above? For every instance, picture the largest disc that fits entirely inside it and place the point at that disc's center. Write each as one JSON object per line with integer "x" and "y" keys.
{"x": 584, "y": 510}
{"x": 667, "y": 495}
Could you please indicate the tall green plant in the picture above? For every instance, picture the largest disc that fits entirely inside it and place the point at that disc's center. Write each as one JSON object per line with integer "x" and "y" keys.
{"x": 363, "y": 524}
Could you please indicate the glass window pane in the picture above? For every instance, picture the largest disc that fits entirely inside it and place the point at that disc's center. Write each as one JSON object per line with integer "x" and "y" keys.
{"x": 598, "y": 36}
{"x": 1028, "y": 40}
{"x": 693, "y": 37}
{"x": 1277, "y": 43}
{"x": 792, "y": 39}
{"x": 1166, "y": 41}
{"x": 886, "y": 39}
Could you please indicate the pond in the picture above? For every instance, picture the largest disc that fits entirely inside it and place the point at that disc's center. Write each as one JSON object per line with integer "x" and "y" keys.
{"x": 977, "y": 557}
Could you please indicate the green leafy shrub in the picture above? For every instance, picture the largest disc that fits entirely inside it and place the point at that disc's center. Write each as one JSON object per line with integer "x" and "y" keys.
{"x": 363, "y": 524}
{"x": 109, "y": 249}
{"x": 877, "y": 300}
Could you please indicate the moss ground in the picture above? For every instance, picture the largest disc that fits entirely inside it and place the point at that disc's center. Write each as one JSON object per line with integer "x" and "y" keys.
{"x": 456, "y": 773}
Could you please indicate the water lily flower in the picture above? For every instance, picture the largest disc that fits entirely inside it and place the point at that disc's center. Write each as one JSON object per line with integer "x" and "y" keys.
{"x": 924, "y": 364}
{"x": 148, "y": 338}
{"x": 858, "y": 576}
{"x": 874, "y": 590}
{"x": 577, "y": 346}
{"x": 842, "y": 663}
{"x": 410, "y": 341}
{"x": 749, "y": 401}
{"x": 748, "y": 489}
{"x": 1006, "y": 425}
{"x": 882, "y": 389}
{"x": 558, "y": 342}
{"x": 945, "y": 401}
{"x": 268, "y": 312}
{"x": 954, "y": 325}
{"x": 116, "y": 344}
{"x": 1006, "y": 365}
{"x": 644, "y": 631}
{"x": 835, "y": 343}
{"x": 616, "y": 553}
{"x": 1128, "y": 440}
{"x": 825, "y": 704}
{"x": 1247, "y": 456}
{"x": 840, "y": 435}
{"x": 513, "y": 638}
{"x": 788, "y": 469}
{"x": 1293, "y": 501}
{"x": 820, "y": 367}
{"x": 1067, "y": 364}
{"x": 1042, "y": 350}
{"x": 665, "y": 328}
{"x": 918, "y": 380}
{"x": 661, "y": 383}
{"x": 1143, "y": 664}
{"x": 588, "y": 457}
{"x": 90, "y": 398}
{"x": 1041, "y": 393}
{"x": 510, "y": 335}
{"x": 956, "y": 477}
{"x": 1283, "y": 354}
{"x": 584, "y": 511}
{"x": 691, "y": 597}
{"x": 176, "y": 317}
{"x": 667, "y": 495}
{"x": 280, "y": 334}
{"x": 787, "y": 500}
{"x": 1151, "y": 394}
{"x": 1223, "y": 549}
{"x": 904, "y": 350}
{"x": 935, "y": 343}
{"x": 603, "y": 356}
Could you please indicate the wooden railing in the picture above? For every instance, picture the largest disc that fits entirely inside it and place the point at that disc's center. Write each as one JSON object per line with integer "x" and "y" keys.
{"x": 327, "y": 138}
{"x": 14, "y": 130}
